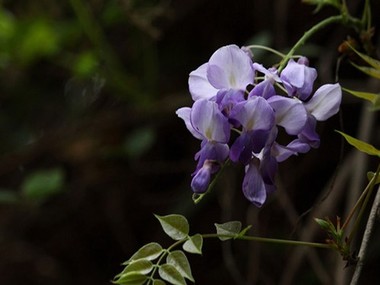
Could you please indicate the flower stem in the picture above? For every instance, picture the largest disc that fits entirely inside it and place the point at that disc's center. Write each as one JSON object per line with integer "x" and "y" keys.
{"x": 345, "y": 19}
{"x": 267, "y": 49}
{"x": 271, "y": 240}
{"x": 370, "y": 187}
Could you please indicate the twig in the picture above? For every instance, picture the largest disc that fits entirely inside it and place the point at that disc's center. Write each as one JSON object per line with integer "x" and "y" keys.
{"x": 366, "y": 239}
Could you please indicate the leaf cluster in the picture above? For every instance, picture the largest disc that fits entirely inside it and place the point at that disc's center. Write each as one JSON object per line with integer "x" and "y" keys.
{"x": 153, "y": 264}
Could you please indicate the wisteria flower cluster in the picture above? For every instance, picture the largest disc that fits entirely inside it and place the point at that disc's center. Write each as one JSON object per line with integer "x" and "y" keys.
{"x": 240, "y": 107}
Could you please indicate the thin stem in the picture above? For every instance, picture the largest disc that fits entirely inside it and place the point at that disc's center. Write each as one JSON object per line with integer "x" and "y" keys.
{"x": 366, "y": 238}
{"x": 357, "y": 204}
{"x": 364, "y": 206}
{"x": 307, "y": 35}
{"x": 282, "y": 55}
{"x": 345, "y": 19}
{"x": 270, "y": 240}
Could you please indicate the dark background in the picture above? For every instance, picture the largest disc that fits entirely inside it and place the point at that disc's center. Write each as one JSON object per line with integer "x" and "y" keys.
{"x": 88, "y": 93}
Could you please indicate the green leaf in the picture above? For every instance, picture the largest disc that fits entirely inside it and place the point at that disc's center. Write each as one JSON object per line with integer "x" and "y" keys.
{"x": 325, "y": 225}
{"x": 373, "y": 72}
{"x": 371, "y": 174}
{"x": 131, "y": 278}
{"x": 360, "y": 145}
{"x": 194, "y": 244}
{"x": 230, "y": 228}
{"x": 371, "y": 61}
{"x": 42, "y": 184}
{"x": 371, "y": 97}
{"x": 142, "y": 266}
{"x": 175, "y": 226}
{"x": 170, "y": 274}
{"x": 149, "y": 251}
{"x": 245, "y": 230}
{"x": 158, "y": 282}
{"x": 179, "y": 260}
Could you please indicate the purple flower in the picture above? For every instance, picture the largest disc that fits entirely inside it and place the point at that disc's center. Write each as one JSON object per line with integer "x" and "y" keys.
{"x": 222, "y": 103}
{"x": 298, "y": 78}
{"x": 289, "y": 112}
{"x": 256, "y": 117}
{"x": 326, "y": 102}
{"x": 260, "y": 172}
{"x": 207, "y": 123}
{"x": 228, "y": 68}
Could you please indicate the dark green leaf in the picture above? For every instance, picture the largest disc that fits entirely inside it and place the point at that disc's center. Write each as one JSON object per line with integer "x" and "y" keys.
{"x": 175, "y": 226}
{"x": 170, "y": 274}
{"x": 131, "y": 278}
{"x": 179, "y": 260}
{"x": 230, "y": 229}
{"x": 149, "y": 251}
{"x": 245, "y": 230}
{"x": 194, "y": 244}
{"x": 158, "y": 282}
{"x": 142, "y": 266}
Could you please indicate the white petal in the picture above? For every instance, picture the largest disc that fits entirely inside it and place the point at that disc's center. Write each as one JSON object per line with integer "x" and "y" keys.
{"x": 199, "y": 85}
{"x": 325, "y": 102}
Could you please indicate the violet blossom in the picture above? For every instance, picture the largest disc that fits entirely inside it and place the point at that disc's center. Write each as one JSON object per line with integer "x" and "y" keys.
{"x": 229, "y": 96}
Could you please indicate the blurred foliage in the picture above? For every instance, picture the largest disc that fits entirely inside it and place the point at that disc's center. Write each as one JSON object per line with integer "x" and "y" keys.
{"x": 42, "y": 184}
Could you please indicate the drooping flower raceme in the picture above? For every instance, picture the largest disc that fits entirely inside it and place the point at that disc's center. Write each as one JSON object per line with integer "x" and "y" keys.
{"x": 229, "y": 96}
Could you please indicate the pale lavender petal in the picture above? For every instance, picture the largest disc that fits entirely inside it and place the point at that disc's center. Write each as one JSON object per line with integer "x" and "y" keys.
{"x": 253, "y": 186}
{"x": 292, "y": 74}
{"x": 254, "y": 114}
{"x": 227, "y": 99}
{"x": 298, "y": 78}
{"x": 211, "y": 151}
{"x": 209, "y": 121}
{"x": 289, "y": 113}
{"x": 264, "y": 89}
{"x": 199, "y": 86}
{"x": 309, "y": 134}
{"x": 184, "y": 114}
{"x": 325, "y": 102}
{"x": 230, "y": 68}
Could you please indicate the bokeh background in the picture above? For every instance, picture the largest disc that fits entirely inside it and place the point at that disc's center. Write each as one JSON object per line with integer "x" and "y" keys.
{"x": 91, "y": 147}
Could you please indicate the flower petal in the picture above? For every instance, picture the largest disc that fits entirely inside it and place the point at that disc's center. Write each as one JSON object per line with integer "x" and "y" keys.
{"x": 289, "y": 113}
{"x": 199, "y": 86}
{"x": 230, "y": 68}
{"x": 209, "y": 121}
{"x": 253, "y": 186}
{"x": 325, "y": 102}
{"x": 201, "y": 179}
{"x": 254, "y": 114}
{"x": 184, "y": 114}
